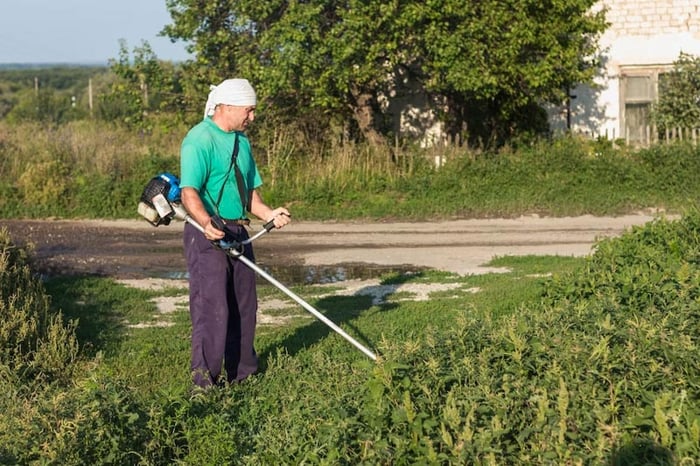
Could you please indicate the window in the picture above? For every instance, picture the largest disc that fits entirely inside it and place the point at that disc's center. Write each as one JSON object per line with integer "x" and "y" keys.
{"x": 637, "y": 96}
{"x": 638, "y": 91}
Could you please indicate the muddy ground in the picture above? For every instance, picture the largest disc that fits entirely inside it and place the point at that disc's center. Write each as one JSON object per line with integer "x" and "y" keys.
{"x": 133, "y": 249}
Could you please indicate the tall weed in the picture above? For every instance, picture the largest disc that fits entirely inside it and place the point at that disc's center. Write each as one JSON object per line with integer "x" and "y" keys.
{"x": 35, "y": 343}
{"x": 90, "y": 169}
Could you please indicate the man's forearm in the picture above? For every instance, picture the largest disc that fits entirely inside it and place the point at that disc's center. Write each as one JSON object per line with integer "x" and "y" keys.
{"x": 194, "y": 206}
{"x": 259, "y": 208}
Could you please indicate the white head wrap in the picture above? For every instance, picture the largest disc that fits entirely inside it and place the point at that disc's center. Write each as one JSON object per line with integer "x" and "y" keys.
{"x": 230, "y": 92}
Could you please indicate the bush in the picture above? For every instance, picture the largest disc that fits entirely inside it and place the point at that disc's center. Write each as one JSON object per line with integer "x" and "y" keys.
{"x": 603, "y": 370}
{"x": 679, "y": 95}
{"x": 34, "y": 343}
{"x": 98, "y": 422}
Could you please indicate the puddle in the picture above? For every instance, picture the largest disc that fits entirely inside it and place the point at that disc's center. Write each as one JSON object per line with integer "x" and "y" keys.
{"x": 291, "y": 275}
{"x": 313, "y": 275}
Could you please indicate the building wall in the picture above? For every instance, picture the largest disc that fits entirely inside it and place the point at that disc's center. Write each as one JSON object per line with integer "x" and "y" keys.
{"x": 643, "y": 35}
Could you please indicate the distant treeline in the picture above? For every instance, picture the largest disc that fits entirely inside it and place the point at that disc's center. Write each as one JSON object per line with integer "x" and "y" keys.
{"x": 63, "y": 93}
{"x": 58, "y": 77}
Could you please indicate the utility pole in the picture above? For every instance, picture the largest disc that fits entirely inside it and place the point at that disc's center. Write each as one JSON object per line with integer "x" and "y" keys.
{"x": 569, "y": 98}
{"x": 90, "y": 95}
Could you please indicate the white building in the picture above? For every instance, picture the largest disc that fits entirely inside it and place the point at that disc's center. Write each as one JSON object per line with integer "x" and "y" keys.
{"x": 643, "y": 40}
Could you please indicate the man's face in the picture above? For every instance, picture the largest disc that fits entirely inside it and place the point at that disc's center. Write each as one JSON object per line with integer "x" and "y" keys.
{"x": 238, "y": 118}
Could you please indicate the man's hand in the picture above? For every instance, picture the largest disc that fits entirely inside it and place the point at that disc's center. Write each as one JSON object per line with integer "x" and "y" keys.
{"x": 212, "y": 233}
{"x": 193, "y": 204}
{"x": 280, "y": 217}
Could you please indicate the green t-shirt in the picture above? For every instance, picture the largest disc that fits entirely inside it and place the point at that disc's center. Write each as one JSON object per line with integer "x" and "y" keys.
{"x": 205, "y": 158}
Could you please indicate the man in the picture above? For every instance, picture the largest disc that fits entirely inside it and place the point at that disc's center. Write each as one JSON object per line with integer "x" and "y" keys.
{"x": 223, "y": 298}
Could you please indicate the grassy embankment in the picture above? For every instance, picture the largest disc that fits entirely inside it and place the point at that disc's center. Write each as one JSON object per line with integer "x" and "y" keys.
{"x": 87, "y": 169}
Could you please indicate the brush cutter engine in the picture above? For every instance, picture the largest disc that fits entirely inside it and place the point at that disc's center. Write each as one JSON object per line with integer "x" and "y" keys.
{"x": 160, "y": 203}
{"x": 159, "y": 195}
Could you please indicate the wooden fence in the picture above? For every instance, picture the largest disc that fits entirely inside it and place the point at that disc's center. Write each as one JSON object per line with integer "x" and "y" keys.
{"x": 648, "y": 135}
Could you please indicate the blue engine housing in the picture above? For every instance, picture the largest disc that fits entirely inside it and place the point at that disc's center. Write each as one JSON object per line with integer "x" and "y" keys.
{"x": 174, "y": 182}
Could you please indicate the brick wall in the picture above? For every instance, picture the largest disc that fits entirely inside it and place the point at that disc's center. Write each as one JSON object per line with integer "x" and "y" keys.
{"x": 652, "y": 17}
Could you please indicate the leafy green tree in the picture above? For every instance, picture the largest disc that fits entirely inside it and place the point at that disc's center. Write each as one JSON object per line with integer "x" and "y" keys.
{"x": 679, "y": 95}
{"x": 143, "y": 85}
{"x": 496, "y": 61}
{"x": 329, "y": 61}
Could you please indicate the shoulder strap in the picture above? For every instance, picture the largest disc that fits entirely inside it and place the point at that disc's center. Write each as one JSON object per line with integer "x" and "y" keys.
{"x": 239, "y": 179}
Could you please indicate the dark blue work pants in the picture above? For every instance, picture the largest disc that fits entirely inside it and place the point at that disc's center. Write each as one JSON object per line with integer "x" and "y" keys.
{"x": 223, "y": 307}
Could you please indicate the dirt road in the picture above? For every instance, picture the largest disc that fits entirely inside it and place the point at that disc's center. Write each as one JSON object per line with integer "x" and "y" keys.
{"x": 134, "y": 249}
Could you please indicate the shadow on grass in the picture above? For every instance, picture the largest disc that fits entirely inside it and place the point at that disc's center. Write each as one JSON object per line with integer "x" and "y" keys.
{"x": 341, "y": 310}
{"x": 96, "y": 304}
{"x": 642, "y": 452}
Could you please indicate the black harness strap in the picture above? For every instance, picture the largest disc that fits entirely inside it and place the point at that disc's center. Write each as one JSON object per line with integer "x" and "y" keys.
{"x": 245, "y": 201}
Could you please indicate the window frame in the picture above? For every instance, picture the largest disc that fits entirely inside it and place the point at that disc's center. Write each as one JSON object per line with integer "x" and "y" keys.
{"x": 638, "y": 71}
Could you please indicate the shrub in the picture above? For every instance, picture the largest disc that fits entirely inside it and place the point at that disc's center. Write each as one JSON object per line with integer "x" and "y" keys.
{"x": 34, "y": 343}
{"x": 43, "y": 183}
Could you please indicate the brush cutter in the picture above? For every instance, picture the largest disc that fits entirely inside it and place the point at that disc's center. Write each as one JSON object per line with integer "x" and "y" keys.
{"x": 160, "y": 203}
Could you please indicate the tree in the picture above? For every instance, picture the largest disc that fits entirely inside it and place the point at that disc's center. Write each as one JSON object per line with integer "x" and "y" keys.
{"x": 504, "y": 58}
{"x": 679, "y": 95}
{"x": 324, "y": 60}
{"x": 334, "y": 61}
{"x": 143, "y": 85}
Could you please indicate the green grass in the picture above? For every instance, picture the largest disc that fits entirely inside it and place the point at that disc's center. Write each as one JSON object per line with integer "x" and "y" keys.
{"x": 107, "y": 311}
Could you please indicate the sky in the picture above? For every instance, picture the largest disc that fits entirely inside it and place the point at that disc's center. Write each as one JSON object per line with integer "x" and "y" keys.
{"x": 82, "y": 31}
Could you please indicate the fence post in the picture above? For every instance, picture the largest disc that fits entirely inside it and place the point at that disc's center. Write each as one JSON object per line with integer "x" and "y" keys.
{"x": 647, "y": 136}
